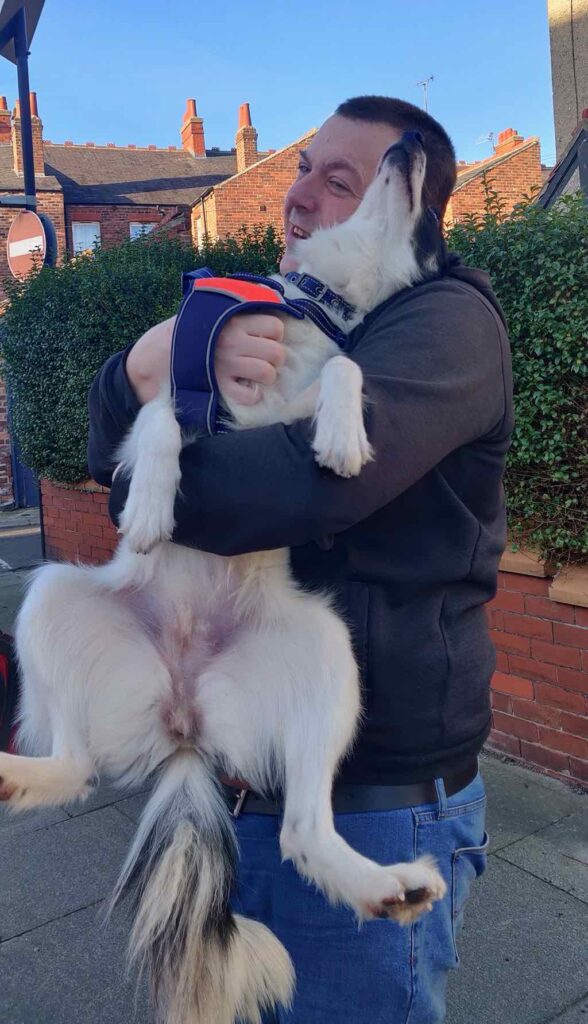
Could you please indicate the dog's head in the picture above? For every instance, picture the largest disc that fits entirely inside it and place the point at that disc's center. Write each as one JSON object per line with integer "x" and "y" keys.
{"x": 393, "y": 239}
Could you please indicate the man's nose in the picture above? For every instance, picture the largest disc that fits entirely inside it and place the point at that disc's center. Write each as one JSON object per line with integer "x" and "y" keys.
{"x": 303, "y": 193}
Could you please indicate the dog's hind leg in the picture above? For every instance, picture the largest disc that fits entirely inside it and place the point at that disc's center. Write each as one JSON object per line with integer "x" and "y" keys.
{"x": 92, "y": 684}
{"x": 317, "y": 737}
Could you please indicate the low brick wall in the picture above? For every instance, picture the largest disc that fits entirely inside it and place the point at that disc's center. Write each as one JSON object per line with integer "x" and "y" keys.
{"x": 76, "y": 523}
{"x": 539, "y": 691}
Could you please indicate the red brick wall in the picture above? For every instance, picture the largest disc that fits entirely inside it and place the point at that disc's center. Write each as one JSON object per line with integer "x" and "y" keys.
{"x": 114, "y": 220}
{"x": 254, "y": 197}
{"x": 512, "y": 179}
{"x": 539, "y": 692}
{"x": 76, "y": 523}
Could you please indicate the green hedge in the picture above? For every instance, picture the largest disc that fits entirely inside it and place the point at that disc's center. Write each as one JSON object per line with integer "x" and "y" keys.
{"x": 538, "y": 263}
{"x": 63, "y": 323}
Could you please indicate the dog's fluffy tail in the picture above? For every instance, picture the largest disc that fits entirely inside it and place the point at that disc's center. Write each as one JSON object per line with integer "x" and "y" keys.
{"x": 206, "y": 966}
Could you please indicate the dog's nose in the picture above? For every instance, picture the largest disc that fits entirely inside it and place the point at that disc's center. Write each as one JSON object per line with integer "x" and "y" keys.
{"x": 412, "y": 138}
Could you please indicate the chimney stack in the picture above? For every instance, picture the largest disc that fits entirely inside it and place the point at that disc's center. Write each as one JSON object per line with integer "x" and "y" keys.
{"x": 37, "y": 133}
{"x": 192, "y": 132}
{"x": 5, "y": 134}
{"x": 245, "y": 140}
{"x": 507, "y": 140}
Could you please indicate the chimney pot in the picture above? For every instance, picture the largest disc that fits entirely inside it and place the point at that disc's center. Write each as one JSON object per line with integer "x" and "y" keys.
{"x": 33, "y": 103}
{"x": 17, "y": 109}
{"x": 3, "y": 103}
{"x": 244, "y": 116}
{"x": 190, "y": 109}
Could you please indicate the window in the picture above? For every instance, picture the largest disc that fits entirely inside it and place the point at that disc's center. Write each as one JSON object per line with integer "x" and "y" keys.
{"x": 86, "y": 235}
{"x": 137, "y": 228}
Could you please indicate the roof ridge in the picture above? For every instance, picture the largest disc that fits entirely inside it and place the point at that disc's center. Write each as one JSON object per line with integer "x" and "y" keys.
{"x": 479, "y": 167}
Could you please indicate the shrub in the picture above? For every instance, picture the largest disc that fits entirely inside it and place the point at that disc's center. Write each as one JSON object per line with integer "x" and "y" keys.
{"x": 61, "y": 324}
{"x": 538, "y": 263}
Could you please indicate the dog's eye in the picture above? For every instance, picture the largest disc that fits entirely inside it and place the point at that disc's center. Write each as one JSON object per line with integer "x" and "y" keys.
{"x": 387, "y": 180}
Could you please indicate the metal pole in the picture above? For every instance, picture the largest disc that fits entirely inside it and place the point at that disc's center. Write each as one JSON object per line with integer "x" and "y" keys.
{"x": 21, "y": 49}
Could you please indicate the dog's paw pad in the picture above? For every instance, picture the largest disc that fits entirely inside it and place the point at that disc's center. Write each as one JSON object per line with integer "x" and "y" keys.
{"x": 7, "y": 790}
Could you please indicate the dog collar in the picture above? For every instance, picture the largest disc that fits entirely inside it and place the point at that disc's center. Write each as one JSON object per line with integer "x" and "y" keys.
{"x": 311, "y": 308}
{"x": 322, "y": 294}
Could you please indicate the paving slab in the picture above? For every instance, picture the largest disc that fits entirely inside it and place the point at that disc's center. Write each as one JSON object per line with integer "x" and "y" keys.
{"x": 59, "y": 869}
{"x": 105, "y": 795}
{"x": 133, "y": 806}
{"x": 558, "y": 854}
{"x": 29, "y": 821}
{"x": 577, "y": 1014}
{"x": 12, "y": 587}
{"x": 521, "y": 802}
{"x": 71, "y": 971}
{"x": 523, "y": 951}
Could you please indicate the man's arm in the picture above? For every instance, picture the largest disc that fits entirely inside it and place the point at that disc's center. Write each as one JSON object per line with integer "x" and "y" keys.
{"x": 432, "y": 366}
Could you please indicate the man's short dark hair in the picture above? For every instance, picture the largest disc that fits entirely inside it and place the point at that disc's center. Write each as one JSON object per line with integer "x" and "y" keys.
{"x": 441, "y": 170}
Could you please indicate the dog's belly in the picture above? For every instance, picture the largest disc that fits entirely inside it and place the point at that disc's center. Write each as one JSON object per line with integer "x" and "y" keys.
{"x": 188, "y": 634}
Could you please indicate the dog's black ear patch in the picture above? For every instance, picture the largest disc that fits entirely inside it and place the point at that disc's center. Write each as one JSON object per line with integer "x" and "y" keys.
{"x": 429, "y": 247}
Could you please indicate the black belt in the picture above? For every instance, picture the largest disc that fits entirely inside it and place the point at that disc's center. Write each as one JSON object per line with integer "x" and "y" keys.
{"x": 348, "y": 798}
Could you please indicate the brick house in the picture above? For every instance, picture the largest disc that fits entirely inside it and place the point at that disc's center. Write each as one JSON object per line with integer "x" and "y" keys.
{"x": 102, "y": 194}
{"x": 255, "y": 194}
{"x": 513, "y": 170}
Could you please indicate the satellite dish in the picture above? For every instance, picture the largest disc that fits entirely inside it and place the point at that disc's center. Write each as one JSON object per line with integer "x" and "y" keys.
{"x": 8, "y": 8}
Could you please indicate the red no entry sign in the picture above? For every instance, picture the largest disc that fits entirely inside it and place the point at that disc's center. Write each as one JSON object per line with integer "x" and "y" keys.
{"x": 27, "y": 244}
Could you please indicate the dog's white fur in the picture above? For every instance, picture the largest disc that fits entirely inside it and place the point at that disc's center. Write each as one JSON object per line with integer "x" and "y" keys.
{"x": 192, "y": 662}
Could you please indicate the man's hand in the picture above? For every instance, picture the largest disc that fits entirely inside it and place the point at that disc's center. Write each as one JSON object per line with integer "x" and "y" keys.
{"x": 249, "y": 352}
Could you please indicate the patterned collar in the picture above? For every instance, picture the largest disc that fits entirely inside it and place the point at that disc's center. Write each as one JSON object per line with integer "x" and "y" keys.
{"x": 322, "y": 294}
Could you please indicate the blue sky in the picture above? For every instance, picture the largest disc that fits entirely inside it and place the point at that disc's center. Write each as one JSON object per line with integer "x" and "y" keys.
{"x": 121, "y": 70}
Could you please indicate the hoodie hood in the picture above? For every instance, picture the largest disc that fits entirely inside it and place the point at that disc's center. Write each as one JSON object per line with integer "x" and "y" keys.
{"x": 478, "y": 279}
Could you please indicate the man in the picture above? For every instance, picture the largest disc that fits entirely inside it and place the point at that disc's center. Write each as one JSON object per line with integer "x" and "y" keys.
{"x": 410, "y": 550}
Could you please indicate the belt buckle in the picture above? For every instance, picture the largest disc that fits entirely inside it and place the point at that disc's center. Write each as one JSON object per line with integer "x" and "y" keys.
{"x": 240, "y": 799}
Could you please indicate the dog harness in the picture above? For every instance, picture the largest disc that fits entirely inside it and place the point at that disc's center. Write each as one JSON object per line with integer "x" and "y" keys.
{"x": 208, "y": 303}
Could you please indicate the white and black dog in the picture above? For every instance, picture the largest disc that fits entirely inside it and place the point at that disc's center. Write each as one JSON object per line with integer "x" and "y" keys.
{"x": 195, "y": 664}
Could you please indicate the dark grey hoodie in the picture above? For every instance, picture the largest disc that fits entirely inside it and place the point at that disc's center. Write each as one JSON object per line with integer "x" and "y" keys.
{"x": 410, "y": 548}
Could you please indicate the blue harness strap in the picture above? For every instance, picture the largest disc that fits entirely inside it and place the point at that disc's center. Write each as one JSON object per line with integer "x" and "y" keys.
{"x": 207, "y": 304}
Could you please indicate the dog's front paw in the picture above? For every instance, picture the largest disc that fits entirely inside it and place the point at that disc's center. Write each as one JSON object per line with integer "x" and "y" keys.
{"x": 147, "y": 519}
{"x": 340, "y": 441}
{"x": 342, "y": 447}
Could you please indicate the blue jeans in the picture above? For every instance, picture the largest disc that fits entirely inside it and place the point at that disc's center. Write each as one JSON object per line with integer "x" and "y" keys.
{"x": 380, "y": 973}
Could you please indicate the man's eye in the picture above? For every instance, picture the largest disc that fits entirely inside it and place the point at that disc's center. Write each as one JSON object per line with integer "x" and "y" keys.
{"x": 339, "y": 185}
{"x": 303, "y": 168}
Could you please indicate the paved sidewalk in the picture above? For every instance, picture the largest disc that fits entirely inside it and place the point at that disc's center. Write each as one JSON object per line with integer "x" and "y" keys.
{"x": 524, "y": 948}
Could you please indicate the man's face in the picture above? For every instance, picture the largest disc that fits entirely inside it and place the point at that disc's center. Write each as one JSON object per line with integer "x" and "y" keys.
{"x": 333, "y": 174}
